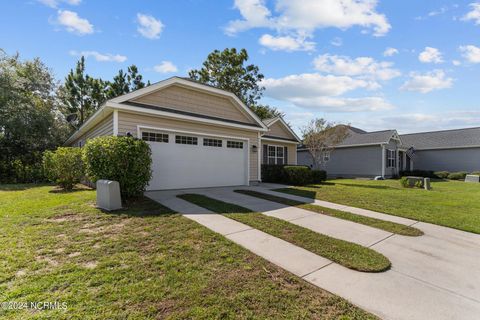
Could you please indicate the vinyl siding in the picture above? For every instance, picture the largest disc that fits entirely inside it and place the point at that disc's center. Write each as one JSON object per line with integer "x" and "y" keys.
{"x": 189, "y": 100}
{"x": 128, "y": 122}
{"x": 279, "y": 130}
{"x": 291, "y": 150}
{"x": 467, "y": 159}
{"x": 103, "y": 128}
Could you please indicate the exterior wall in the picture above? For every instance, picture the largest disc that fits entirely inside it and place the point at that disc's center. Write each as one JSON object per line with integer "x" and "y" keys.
{"x": 389, "y": 172}
{"x": 189, "y": 100}
{"x": 291, "y": 150}
{"x": 467, "y": 159}
{"x": 103, "y": 128}
{"x": 128, "y": 122}
{"x": 350, "y": 162}
{"x": 279, "y": 130}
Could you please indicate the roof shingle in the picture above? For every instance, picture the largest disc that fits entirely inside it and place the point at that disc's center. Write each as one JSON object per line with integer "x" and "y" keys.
{"x": 456, "y": 138}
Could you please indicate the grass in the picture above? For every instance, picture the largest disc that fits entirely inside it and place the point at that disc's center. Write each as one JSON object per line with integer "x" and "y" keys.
{"x": 368, "y": 221}
{"x": 347, "y": 254}
{"x": 451, "y": 204}
{"x": 143, "y": 262}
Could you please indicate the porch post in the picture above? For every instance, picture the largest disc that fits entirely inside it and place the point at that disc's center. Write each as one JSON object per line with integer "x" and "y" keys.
{"x": 383, "y": 160}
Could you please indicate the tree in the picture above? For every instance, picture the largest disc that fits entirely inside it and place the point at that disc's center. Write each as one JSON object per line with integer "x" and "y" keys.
{"x": 29, "y": 118}
{"x": 125, "y": 82}
{"x": 227, "y": 70}
{"x": 81, "y": 94}
{"x": 320, "y": 137}
{"x": 266, "y": 111}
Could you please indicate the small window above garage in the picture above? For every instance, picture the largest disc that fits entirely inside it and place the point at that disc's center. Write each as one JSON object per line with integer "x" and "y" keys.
{"x": 186, "y": 140}
{"x": 235, "y": 144}
{"x": 155, "y": 136}
{"x": 212, "y": 142}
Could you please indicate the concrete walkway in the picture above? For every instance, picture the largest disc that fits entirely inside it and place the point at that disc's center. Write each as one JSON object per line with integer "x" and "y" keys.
{"x": 435, "y": 276}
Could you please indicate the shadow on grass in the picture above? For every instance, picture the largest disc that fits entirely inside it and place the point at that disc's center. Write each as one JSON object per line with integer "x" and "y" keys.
{"x": 142, "y": 207}
{"x": 298, "y": 192}
{"x": 22, "y": 186}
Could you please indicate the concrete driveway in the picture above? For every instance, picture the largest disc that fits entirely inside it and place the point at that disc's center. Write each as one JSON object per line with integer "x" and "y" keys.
{"x": 435, "y": 276}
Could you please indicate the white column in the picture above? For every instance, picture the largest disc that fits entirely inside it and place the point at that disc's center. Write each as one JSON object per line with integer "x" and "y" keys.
{"x": 383, "y": 160}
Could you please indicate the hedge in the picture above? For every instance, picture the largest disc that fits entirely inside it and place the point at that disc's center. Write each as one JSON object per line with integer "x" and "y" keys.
{"x": 289, "y": 174}
{"x": 124, "y": 159}
{"x": 457, "y": 175}
{"x": 64, "y": 166}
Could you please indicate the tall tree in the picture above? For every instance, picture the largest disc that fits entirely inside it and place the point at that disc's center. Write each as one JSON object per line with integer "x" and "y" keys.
{"x": 125, "y": 82}
{"x": 227, "y": 70}
{"x": 81, "y": 94}
{"x": 321, "y": 137}
{"x": 266, "y": 111}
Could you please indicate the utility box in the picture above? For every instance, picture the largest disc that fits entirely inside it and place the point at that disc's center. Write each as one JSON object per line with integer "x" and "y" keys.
{"x": 472, "y": 178}
{"x": 426, "y": 184}
{"x": 108, "y": 195}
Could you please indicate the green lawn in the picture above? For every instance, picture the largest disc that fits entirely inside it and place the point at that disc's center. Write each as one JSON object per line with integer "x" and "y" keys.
{"x": 368, "y": 221}
{"x": 452, "y": 204}
{"x": 345, "y": 253}
{"x": 143, "y": 262}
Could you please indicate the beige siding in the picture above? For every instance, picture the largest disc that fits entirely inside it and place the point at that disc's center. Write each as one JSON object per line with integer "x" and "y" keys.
{"x": 291, "y": 149}
{"x": 189, "y": 100}
{"x": 103, "y": 128}
{"x": 278, "y": 130}
{"x": 128, "y": 122}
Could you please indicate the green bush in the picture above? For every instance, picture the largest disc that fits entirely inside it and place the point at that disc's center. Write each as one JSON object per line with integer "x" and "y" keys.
{"x": 477, "y": 173}
{"x": 457, "y": 175}
{"x": 123, "y": 159}
{"x": 319, "y": 176}
{"x": 404, "y": 182}
{"x": 442, "y": 174}
{"x": 298, "y": 175}
{"x": 419, "y": 173}
{"x": 64, "y": 166}
{"x": 273, "y": 173}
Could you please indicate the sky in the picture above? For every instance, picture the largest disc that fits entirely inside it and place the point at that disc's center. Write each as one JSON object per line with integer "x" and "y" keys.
{"x": 406, "y": 65}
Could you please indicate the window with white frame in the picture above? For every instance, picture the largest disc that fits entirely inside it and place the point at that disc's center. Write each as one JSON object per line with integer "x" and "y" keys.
{"x": 186, "y": 140}
{"x": 154, "y": 136}
{"x": 326, "y": 156}
{"x": 276, "y": 154}
{"x": 212, "y": 142}
{"x": 235, "y": 144}
{"x": 391, "y": 160}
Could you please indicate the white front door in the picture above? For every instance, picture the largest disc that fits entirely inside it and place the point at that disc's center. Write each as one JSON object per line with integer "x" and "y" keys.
{"x": 181, "y": 160}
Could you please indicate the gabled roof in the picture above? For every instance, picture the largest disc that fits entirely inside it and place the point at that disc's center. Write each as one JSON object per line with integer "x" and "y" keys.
{"x": 446, "y": 139}
{"x": 269, "y": 122}
{"x": 375, "y": 137}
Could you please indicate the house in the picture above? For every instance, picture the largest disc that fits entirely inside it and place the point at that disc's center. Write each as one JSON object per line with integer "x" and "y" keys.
{"x": 200, "y": 136}
{"x": 447, "y": 150}
{"x": 363, "y": 154}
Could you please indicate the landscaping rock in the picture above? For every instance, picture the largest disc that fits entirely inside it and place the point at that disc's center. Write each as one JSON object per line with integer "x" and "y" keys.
{"x": 472, "y": 178}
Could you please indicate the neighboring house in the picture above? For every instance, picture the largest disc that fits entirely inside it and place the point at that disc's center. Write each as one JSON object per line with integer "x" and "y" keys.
{"x": 200, "y": 136}
{"x": 449, "y": 150}
{"x": 363, "y": 154}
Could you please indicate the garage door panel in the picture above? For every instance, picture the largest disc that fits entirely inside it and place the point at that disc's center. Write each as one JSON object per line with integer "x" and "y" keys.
{"x": 177, "y": 166}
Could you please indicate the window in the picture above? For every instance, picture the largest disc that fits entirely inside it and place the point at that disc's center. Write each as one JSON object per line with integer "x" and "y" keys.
{"x": 153, "y": 136}
{"x": 391, "y": 158}
{"x": 186, "y": 140}
{"x": 326, "y": 156}
{"x": 276, "y": 155}
{"x": 212, "y": 142}
{"x": 235, "y": 144}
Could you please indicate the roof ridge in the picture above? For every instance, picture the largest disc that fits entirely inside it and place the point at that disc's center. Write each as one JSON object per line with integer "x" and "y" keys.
{"x": 435, "y": 131}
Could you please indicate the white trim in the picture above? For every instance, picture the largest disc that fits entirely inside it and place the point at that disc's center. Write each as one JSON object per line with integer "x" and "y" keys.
{"x": 259, "y": 158}
{"x": 276, "y": 156}
{"x": 383, "y": 160}
{"x": 189, "y": 83}
{"x": 286, "y": 126}
{"x": 140, "y": 127}
{"x": 104, "y": 109}
{"x": 352, "y": 145}
{"x": 115, "y": 122}
{"x": 180, "y": 116}
{"x": 448, "y": 148}
{"x": 279, "y": 140}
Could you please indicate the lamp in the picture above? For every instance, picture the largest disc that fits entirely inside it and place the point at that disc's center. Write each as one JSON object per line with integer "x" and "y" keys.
{"x": 254, "y": 149}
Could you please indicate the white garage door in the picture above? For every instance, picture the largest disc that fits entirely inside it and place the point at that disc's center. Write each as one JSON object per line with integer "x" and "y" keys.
{"x": 181, "y": 160}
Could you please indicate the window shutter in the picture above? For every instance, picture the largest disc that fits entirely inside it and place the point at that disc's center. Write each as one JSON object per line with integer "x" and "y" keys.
{"x": 265, "y": 154}
{"x": 285, "y": 155}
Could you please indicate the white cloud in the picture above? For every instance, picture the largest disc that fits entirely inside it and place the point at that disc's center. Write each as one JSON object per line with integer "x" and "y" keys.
{"x": 430, "y": 81}
{"x": 337, "y": 42}
{"x": 471, "y": 53}
{"x": 304, "y": 16}
{"x": 323, "y": 92}
{"x": 365, "y": 67}
{"x": 55, "y": 3}
{"x": 165, "y": 67}
{"x": 286, "y": 43}
{"x": 73, "y": 23}
{"x": 101, "y": 57}
{"x": 148, "y": 26}
{"x": 430, "y": 55}
{"x": 456, "y": 63}
{"x": 390, "y": 52}
{"x": 474, "y": 14}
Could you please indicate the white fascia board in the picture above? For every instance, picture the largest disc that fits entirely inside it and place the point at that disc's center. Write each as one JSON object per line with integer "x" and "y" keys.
{"x": 447, "y": 148}
{"x": 98, "y": 116}
{"x": 286, "y": 126}
{"x": 124, "y": 107}
{"x": 279, "y": 140}
{"x": 176, "y": 80}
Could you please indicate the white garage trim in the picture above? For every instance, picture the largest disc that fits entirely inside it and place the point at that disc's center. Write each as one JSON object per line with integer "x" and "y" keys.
{"x": 247, "y": 141}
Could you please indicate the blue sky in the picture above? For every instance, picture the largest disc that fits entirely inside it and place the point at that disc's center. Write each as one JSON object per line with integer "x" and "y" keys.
{"x": 409, "y": 65}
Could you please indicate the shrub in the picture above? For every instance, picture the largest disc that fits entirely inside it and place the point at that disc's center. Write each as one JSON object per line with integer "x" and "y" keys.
{"x": 477, "y": 173}
{"x": 273, "y": 173}
{"x": 298, "y": 175}
{"x": 64, "y": 166}
{"x": 442, "y": 174}
{"x": 404, "y": 182}
{"x": 410, "y": 183}
{"x": 457, "y": 175}
{"x": 319, "y": 176}
{"x": 419, "y": 173}
{"x": 123, "y": 159}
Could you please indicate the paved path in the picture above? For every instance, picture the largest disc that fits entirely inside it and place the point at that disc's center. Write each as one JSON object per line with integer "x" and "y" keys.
{"x": 435, "y": 276}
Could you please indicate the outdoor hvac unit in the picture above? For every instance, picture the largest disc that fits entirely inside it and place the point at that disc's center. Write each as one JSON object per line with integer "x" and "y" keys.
{"x": 108, "y": 195}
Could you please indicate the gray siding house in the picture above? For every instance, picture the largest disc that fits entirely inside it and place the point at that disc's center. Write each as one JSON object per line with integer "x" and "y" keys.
{"x": 363, "y": 154}
{"x": 386, "y": 153}
{"x": 448, "y": 150}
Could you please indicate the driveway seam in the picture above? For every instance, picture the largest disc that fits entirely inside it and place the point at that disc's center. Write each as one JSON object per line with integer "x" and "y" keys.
{"x": 307, "y": 274}
{"x": 228, "y": 234}
{"x": 381, "y": 240}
